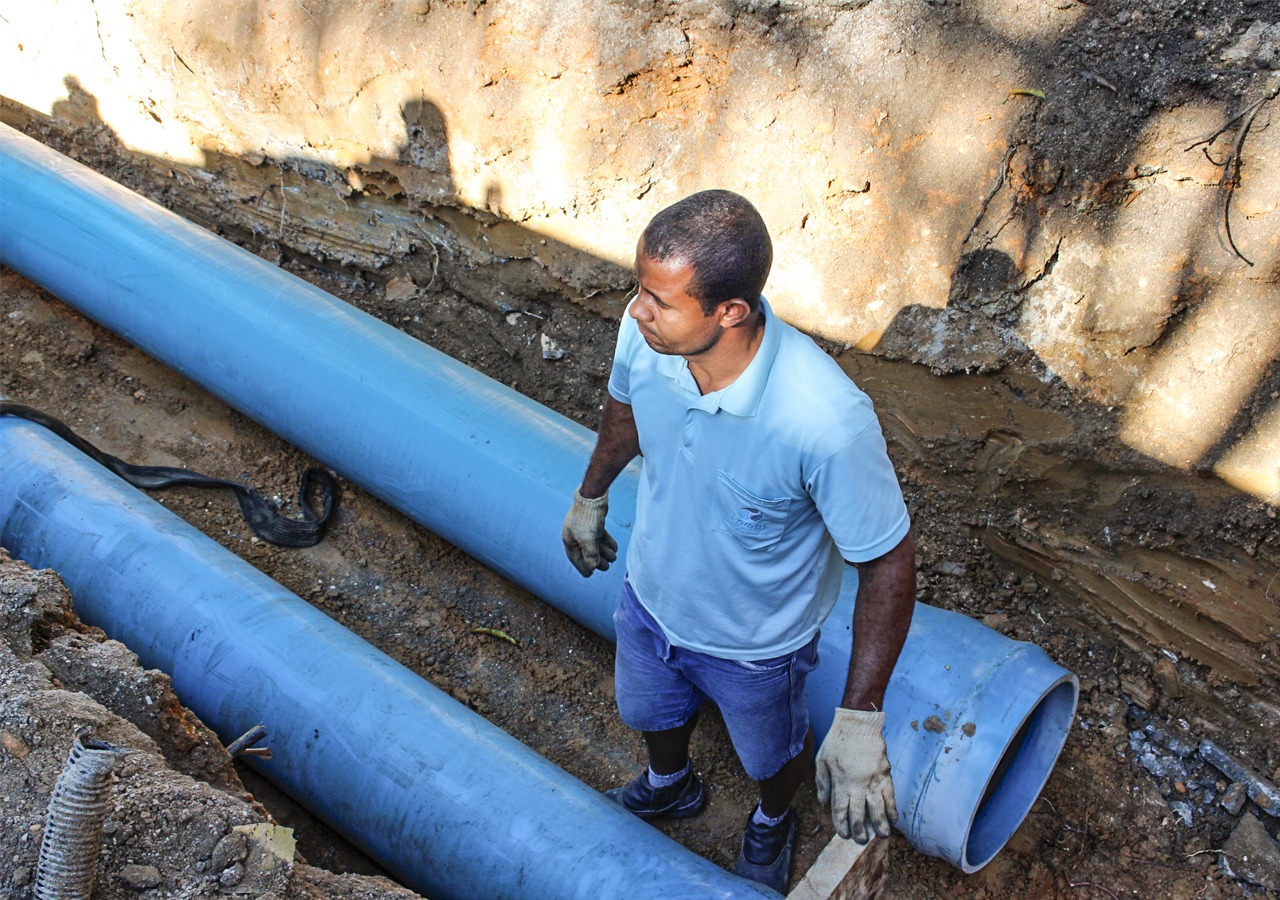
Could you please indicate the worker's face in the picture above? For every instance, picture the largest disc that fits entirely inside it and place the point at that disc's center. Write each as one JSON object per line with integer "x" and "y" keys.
{"x": 671, "y": 321}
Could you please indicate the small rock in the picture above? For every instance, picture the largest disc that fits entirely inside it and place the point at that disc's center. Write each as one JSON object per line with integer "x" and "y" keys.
{"x": 1233, "y": 800}
{"x": 231, "y": 849}
{"x": 140, "y": 878}
{"x": 231, "y": 876}
{"x": 1163, "y": 766}
{"x": 77, "y": 350}
{"x": 996, "y": 620}
{"x": 1251, "y": 855}
{"x": 1166, "y": 676}
{"x": 16, "y": 746}
{"x": 21, "y": 876}
{"x": 1167, "y": 739}
{"x": 947, "y": 567}
{"x": 402, "y": 287}
{"x": 1139, "y": 690}
{"x": 1261, "y": 42}
{"x": 550, "y": 349}
{"x": 1183, "y": 811}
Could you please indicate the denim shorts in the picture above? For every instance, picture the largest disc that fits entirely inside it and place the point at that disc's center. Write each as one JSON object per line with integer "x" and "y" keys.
{"x": 660, "y": 686}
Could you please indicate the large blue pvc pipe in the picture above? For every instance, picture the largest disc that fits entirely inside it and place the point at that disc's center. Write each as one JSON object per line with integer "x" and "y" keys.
{"x": 974, "y": 721}
{"x": 454, "y": 806}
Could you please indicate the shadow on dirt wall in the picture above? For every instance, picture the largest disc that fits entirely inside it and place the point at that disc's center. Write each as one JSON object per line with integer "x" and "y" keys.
{"x": 466, "y": 279}
{"x": 1073, "y": 166}
{"x": 1070, "y": 165}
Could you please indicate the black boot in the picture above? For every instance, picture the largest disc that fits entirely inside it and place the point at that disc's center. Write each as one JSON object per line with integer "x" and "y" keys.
{"x": 766, "y": 851}
{"x": 684, "y": 798}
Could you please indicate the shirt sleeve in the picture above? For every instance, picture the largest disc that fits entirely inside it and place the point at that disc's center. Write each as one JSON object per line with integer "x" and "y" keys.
{"x": 857, "y": 494}
{"x": 623, "y": 353}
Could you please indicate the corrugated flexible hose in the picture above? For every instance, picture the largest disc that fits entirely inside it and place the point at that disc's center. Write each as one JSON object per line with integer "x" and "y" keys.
{"x": 73, "y": 828}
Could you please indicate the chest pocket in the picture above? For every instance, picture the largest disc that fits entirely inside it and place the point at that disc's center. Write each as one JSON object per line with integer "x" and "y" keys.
{"x": 756, "y": 522}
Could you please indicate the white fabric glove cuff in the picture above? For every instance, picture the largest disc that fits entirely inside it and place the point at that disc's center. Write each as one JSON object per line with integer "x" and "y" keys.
{"x": 593, "y": 503}
{"x": 859, "y": 723}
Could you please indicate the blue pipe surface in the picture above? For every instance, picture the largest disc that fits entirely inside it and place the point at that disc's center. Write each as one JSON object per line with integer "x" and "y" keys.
{"x": 454, "y": 806}
{"x": 975, "y": 721}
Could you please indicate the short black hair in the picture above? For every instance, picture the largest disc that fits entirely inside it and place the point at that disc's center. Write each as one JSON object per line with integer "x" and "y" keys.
{"x": 723, "y": 237}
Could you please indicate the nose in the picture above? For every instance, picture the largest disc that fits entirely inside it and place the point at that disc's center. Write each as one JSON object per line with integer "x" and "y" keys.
{"x": 640, "y": 310}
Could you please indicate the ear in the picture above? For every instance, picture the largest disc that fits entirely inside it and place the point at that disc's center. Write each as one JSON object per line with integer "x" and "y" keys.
{"x": 733, "y": 312}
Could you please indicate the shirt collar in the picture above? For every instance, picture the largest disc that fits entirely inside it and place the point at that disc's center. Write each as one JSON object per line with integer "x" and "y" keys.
{"x": 742, "y": 398}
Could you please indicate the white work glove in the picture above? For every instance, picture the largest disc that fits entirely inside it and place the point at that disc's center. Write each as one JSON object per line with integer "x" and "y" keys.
{"x": 853, "y": 775}
{"x": 587, "y": 544}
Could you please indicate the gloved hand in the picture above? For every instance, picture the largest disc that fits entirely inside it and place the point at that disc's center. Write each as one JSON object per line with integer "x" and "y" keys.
{"x": 853, "y": 775}
{"x": 587, "y": 544}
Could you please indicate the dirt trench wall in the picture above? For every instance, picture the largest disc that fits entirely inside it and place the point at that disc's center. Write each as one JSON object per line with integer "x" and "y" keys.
{"x": 1075, "y": 363}
{"x": 1025, "y": 165}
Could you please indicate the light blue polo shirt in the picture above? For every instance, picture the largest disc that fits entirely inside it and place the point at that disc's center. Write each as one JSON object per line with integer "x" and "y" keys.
{"x": 749, "y": 496}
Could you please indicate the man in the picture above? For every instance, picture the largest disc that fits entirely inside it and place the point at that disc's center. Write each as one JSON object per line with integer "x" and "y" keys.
{"x": 763, "y": 467}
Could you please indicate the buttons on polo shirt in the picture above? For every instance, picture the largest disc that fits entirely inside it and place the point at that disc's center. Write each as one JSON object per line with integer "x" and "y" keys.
{"x": 695, "y": 414}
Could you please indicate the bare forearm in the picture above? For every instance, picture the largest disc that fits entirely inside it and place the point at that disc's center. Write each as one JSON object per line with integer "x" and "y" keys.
{"x": 617, "y": 444}
{"x": 885, "y": 603}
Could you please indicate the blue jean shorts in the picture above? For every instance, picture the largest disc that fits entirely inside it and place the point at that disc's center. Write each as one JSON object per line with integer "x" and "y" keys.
{"x": 660, "y": 686}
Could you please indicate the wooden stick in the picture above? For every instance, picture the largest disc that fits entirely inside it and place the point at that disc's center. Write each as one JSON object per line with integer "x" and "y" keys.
{"x": 845, "y": 870}
{"x": 247, "y": 740}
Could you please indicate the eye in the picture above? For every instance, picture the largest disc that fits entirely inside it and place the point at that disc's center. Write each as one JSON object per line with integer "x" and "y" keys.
{"x": 639, "y": 291}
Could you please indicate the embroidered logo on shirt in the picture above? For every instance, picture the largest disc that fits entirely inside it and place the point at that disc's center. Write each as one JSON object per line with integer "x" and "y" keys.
{"x": 749, "y": 521}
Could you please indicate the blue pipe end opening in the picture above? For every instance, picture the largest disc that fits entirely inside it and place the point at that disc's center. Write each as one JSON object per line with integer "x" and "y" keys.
{"x": 1021, "y": 773}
